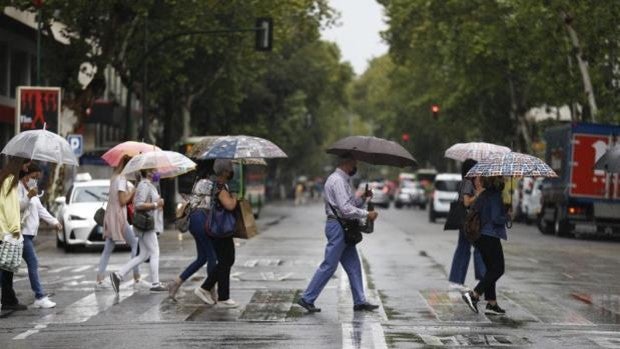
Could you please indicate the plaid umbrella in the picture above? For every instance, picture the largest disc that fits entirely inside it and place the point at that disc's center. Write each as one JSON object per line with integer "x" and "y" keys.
{"x": 511, "y": 164}
{"x": 610, "y": 161}
{"x": 242, "y": 147}
{"x": 474, "y": 150}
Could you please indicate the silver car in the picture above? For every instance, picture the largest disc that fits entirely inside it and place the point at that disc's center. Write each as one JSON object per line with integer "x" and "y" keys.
{"x": 380, "y": 193}
{"x": 410, "y": 193}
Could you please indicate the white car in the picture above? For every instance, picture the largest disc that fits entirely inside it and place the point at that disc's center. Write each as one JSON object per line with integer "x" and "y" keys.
{"x": 446, "y": 190}
{"x": 410, "y": 193}
{"x": 530, "y": 203}
{"x": 76, "y": 211}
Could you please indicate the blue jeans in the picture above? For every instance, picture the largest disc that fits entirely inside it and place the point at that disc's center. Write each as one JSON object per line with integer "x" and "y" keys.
{"x": 108, "y": 248}
{"x": 460, "y": 261}
{"x": 337, "y": 251}
{"x": 204, "y": 245}
{"x": 30, "y": 256}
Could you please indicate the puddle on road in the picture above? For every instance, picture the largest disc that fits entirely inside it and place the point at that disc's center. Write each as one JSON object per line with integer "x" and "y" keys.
{"x": 269, "y": 305}
{"x": 605, "y": 308}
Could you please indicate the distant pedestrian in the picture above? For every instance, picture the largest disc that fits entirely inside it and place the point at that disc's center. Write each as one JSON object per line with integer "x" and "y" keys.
{"x": 299, "y": 194}
{"x": 10, "y": 224}
{"x": 462, "y": 254}
{"x": 31, "y": 214}
{"x": 116, "y": 228}
{"x": 339, "y": 194}
{"x": 224, "y": 247}
{"x": 492, "y": 229}
{"x": 199, "y": 202}
{"x": 146, "y": 199}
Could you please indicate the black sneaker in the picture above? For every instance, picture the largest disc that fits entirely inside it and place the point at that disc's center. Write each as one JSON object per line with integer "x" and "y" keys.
{"x": 115, "y": 281}
{"x": 309, "y": 307}
{"x": 471, "y": 300}
{"x": 158, "y": 288}
{"x": 494, "y": 310}
{"x": 14, "y": 307}
{"x": 365, "y": 307}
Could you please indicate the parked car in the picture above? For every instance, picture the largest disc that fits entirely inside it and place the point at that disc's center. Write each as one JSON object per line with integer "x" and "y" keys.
{"x": 76, "y": 211}
{"x": 380, "y": 193}
{"x": 445, "y": 191}
{"x": 410, "y": 193}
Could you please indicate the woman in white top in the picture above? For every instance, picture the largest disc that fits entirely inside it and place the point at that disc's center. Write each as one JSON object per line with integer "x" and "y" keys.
{"x": 31, "y": 211}
{"x": 146, "y": 199}
{"x": 115, "y": 225}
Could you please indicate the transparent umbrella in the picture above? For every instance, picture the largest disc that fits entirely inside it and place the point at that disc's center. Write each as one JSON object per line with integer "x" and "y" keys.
{"x": 41, "y": 145}
{"x": 168, "y": 163}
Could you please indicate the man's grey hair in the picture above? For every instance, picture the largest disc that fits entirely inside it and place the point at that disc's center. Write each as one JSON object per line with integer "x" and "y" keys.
{"x": 221, "y": 165}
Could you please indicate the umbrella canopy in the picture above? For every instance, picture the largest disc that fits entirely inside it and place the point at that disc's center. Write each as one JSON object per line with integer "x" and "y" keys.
{"x": 242, "y": 147}
{"x": 202, "y": 146}
{"x": 511, "y": 164}
{"x": 168, "y": 163}
{"x": 610, "y": 161}
{"x": 130, "y": 148}
{"x": 373, "y": 150}
{"x": 41, "y": 145}
{"x": 474, "y": 150}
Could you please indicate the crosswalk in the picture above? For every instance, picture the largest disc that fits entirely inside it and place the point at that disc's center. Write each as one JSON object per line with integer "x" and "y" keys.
{"x": 80, "y": 303}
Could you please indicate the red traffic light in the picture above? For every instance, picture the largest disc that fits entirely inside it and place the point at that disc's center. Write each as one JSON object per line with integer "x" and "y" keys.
{"x": 406, "y": 137}
{"x": 435, "y": 110}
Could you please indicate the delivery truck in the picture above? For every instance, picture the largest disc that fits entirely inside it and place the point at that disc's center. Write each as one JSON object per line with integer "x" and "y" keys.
{"x": 581, "y": 200}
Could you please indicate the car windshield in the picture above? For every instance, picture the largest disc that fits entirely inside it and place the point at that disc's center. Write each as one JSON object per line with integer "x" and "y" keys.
{"x": 90, "y": 194}
{"x": 447, "y": 185}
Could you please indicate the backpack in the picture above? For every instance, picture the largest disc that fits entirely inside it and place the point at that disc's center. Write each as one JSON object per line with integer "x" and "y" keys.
{"x": 472, "y": 224}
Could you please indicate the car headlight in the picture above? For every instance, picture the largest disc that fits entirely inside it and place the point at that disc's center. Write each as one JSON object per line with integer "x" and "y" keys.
{"x": 73, "y": 217}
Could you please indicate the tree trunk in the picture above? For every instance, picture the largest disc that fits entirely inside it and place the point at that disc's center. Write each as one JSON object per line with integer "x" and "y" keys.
{"x": 519, "y": 117}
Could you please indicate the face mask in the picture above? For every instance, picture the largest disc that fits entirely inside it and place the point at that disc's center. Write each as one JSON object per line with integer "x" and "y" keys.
{"x": 32, "y": 183}
{"x": 231, "y": 175}
{"x": 353, "y": 171}
{"x": 156, "y": 177}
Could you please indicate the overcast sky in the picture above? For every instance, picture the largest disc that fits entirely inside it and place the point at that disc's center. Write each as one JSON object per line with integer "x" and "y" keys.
{"x": 358, "y": 31}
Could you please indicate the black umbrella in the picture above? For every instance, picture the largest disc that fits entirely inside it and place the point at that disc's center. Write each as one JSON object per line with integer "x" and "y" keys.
{"x": 610, "y": 161}
{"x": 373, "y": 150}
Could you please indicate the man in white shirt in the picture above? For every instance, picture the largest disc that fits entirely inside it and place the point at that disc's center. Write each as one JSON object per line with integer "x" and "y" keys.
{"x": 31, "y": 211}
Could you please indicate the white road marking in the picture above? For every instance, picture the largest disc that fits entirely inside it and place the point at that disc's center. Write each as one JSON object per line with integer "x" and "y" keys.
{"x": 58, "y": 270}
{"x": 80, "y": 269}
{"x": 533, "y": 260}
{"x": 568, "y": 275}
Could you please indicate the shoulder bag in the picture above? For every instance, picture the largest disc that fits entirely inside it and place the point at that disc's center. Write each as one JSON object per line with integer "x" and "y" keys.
{"x": 183, "y": 211}
{"x": 142, "y": 220}
{"x": 221, "y": 223}
{"x": 99, "y": 216}
{"x": 11, "y": 250}
{"x": 472, "y": 224}
{"x": 351, "y": 227}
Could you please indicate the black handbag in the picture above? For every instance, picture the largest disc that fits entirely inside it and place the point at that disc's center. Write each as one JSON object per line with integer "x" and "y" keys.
{"x": 143, "y": 221}
{"x": 351, "y": 227}
{"x": 456, "y": 216}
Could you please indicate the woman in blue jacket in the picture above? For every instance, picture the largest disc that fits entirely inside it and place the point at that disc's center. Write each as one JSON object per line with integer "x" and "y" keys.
{"x": 492, "y": 231}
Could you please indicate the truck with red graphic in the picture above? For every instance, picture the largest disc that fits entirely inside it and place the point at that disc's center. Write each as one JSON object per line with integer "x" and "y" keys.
{"x": 582, "y": 200}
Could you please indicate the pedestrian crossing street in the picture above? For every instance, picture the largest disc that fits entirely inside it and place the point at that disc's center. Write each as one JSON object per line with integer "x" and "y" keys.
{"x": 79, "y": 303}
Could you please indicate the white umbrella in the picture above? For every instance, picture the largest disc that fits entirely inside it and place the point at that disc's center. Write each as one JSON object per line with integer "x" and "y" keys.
{"x": 41, "y": 145}
{"x": 168, "y": 163}
{"x": 474, "y": 150}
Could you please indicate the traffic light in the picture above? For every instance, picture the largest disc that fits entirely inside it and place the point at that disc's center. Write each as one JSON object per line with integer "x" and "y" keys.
{"x": 406, "y": 137}
{"x": 435, "y": 110}
{"x": 264, "y": 34}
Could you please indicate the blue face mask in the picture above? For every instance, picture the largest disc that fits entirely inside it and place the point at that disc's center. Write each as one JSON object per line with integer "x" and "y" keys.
{"x": 156, "y": 177}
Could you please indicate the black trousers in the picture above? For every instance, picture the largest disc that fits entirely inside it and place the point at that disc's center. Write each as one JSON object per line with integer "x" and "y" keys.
{"x": 8, "y": 293}
{"x": 225, "y": 251}
{"x": 493, "y": 256}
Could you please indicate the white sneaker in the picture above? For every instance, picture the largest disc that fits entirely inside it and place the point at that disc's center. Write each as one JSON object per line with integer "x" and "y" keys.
{"x": 102, "y": 285}
{"x": 204, "y": 295}
{"x": 44, "y": 303}
{"x": 458, "y": 287}
{"x": 141, "y": 284}
{"x": 229, "y": 303}
{"x": 214, "y": 293}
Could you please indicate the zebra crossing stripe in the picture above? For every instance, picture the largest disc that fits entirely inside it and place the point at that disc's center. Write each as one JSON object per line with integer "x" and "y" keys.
{"x": 79, "y": 311}
{"x": 58, "y": 270}
{"x": 80, "y": 269}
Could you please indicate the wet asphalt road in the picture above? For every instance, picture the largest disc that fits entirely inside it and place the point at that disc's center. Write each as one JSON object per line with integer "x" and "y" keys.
{"x": 558, "y": 293}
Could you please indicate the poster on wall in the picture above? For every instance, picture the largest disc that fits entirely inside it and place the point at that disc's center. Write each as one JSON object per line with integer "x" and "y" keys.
{"x": 37, "y": 106}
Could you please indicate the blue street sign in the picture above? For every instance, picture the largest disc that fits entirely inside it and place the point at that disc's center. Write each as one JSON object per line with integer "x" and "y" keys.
{"x": 77, "y": 144}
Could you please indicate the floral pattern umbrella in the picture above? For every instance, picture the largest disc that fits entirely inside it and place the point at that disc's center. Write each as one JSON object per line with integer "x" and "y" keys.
{"x": 511, "y": 164}
{"x": 242, "y": 147}
{"x": 474, "y": 150}
{"x": 168, "y": 163}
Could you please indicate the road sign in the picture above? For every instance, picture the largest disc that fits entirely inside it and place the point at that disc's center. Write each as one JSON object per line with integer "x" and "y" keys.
{"x": 37, "y": 106}
{"x": 77, "y": 144}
